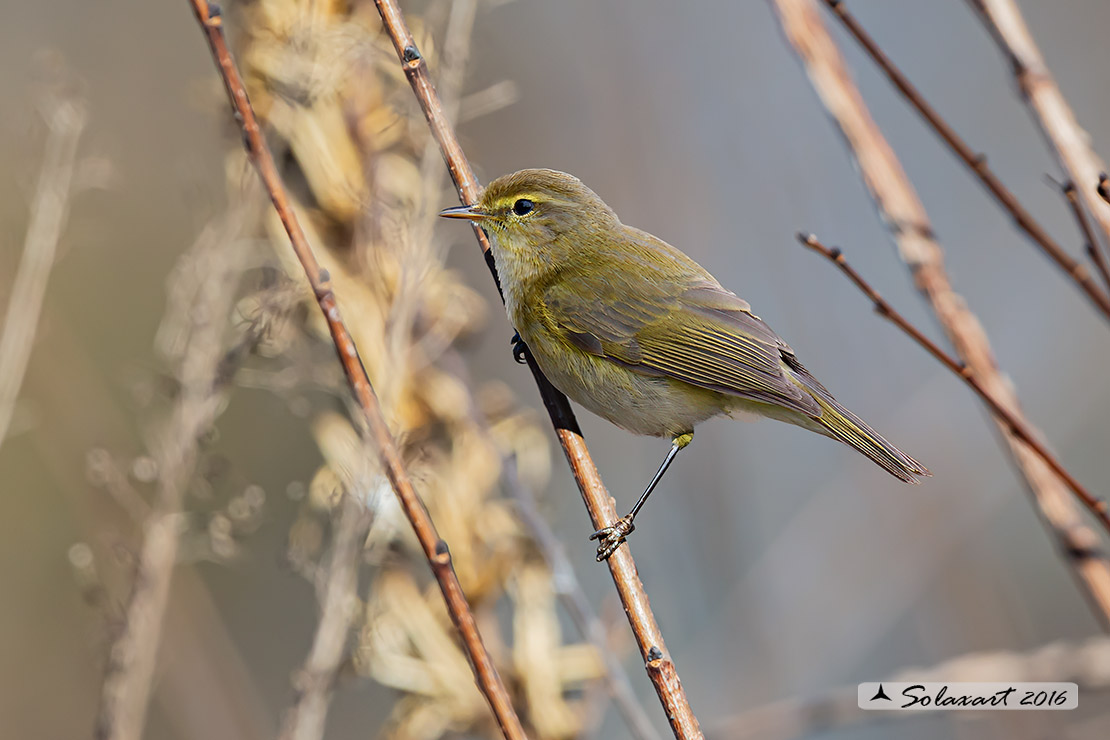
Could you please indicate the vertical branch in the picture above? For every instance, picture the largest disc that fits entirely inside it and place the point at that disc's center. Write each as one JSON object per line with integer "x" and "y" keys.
{"x": 130, "y": 673}
{"x": 65, "y": 120}
{"x": 1071, "y": 144}
{"x": 306, "y": 718}
{"x": 574, "y": 600}
{"x": 435, "y": 549}
{"x": 649, "y": 638}
{"x": 905, "y": 217}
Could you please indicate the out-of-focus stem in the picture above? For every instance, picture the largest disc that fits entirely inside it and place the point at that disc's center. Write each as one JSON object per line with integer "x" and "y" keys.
{"x": 977, "y": 163}
{"x": 903, "y": 213}
{"x": 306, "y": 718}
{"x": 435, "y": 549}
{"x": 65, "y": 120}
{"x": 574, "y": 600}
{"x": 1071, "y": 144}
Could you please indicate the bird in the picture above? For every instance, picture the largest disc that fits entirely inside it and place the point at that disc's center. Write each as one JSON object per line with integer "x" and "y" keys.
{"x": 637, "y": 332}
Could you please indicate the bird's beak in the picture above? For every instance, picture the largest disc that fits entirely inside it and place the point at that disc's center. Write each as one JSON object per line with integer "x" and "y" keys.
{"x": 470, "y": 213}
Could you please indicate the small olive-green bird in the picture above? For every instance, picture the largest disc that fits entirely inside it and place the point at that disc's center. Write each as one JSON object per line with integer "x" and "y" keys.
{"x": 639, "y": 333}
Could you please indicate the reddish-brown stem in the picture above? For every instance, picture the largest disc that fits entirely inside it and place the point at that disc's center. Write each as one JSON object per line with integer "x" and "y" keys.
{"x": 1091, "y": 243}
{"x": 1095, "y": 505}
{"x": 908, "y": 224}
{"x": 602, "y": 512}
{"x": 435, "y": 549}
{"x": 975, "y": 162}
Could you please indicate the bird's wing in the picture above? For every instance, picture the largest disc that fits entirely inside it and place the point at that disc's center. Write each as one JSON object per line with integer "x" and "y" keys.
{"x": 698, "y": 333}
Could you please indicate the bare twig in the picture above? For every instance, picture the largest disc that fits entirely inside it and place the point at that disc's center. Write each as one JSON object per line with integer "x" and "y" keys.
{"x": 1090, "y": 241}
{"x": 574, "y": 600}
{"x": 1082, "y": 663}
{"x": 65, "y": 119}
{"x": 130, "y": 672}
{"x": 905, "y": 217}
{"x": 1051, "y": 111}
{"x": 1014, "y": 424}
{"x": 977, "y": 163}
{"x": 435, "y": 549}
{"x": 314, "y": 682}
{"x": 659, "y": 666}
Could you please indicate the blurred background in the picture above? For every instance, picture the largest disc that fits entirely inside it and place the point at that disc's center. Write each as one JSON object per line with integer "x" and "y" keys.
{"x": 780, "y": 565}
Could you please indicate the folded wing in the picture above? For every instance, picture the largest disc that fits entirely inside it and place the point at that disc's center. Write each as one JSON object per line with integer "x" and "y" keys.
{"x": 696, "y": 332}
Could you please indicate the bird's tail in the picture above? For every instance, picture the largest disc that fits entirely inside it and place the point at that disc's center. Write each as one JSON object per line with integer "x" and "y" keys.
{"x": 841, "y": 424}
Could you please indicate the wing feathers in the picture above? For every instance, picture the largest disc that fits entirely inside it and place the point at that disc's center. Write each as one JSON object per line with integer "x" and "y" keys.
{"x": 705, "y": 336}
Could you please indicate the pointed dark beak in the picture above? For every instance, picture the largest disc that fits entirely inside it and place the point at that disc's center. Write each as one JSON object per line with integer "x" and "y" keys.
{"x": 470, "y": 213}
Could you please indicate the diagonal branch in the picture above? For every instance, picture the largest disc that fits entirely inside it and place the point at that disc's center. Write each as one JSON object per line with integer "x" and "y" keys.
{"x": 435, "y": 549}
{"x": 65, "y": 120}
{"x": 977, "y": 163}
{"x": 1071, "y": 144}
{"x": 904, "y": 215}
{"x": 659, "y": 666}
{"x": 1090, "y": 241}
{"x": 1015, "y": 424}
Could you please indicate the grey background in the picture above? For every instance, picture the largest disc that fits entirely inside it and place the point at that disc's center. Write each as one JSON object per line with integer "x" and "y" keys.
{"x": 779, "y": 563}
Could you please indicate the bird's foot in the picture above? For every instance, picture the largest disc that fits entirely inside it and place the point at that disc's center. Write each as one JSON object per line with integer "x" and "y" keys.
{"x": 519, "y": 348}
{"x": 610, "y": 538}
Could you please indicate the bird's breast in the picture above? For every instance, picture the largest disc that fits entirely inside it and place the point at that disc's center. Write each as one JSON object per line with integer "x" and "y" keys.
{"x": 642, "y": 404}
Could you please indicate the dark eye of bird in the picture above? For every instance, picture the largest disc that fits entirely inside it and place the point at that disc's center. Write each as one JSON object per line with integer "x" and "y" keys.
{"x": 523, "y": 207}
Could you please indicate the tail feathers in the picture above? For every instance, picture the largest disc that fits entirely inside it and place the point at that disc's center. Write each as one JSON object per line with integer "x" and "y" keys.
{"x": 841, "y": 424}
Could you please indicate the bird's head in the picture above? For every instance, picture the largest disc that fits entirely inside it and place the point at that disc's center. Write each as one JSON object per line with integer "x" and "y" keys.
{"x": 537, "y": 210}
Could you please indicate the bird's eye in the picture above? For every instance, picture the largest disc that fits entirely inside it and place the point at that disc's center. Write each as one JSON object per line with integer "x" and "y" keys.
{"x": 523, "y": 207}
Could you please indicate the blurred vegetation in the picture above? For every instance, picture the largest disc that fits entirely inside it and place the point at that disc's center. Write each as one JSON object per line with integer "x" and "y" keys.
{"x": 772, "y": 578}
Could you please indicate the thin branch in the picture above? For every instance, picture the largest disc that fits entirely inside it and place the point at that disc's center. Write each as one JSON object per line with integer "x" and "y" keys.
{"x": 435, "y": 549}
{"x": 1015, "y": 424}
{"x": 315, "y": 681}
{"x": 129, "y": 676}
{"x": 1090, "y": 241}
{"x": 905, "y": 217}
{"x": 660, "y": 668}
{"x": 1082, "y": 663}
{"x": 574, "y": 600}
{"x": 65, "y": 120}
{"x": 1051, "y": 111}
{"x": 305, "y": 720}
{"x": 977, "y": 163}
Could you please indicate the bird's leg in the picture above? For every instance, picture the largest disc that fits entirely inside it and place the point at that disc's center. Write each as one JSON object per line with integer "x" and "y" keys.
{"x": 519, "y": 348}
{"x": 610, "y": 538}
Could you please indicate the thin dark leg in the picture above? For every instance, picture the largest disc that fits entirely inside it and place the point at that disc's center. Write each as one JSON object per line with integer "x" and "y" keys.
{"x": 610, "y": 538}
{"x": 654, "y": 481}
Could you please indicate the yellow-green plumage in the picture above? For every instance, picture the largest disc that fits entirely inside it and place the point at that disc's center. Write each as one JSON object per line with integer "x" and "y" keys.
{"x": 639, "y": 333}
